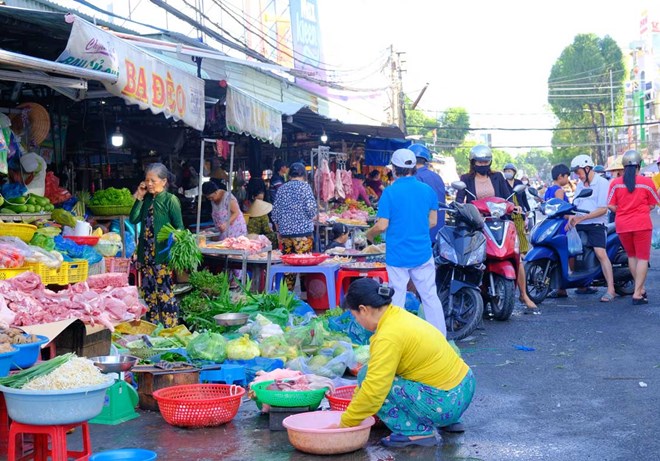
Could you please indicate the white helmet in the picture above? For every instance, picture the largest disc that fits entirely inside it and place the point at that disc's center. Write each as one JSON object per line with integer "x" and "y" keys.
{"x": 581, "y": 161}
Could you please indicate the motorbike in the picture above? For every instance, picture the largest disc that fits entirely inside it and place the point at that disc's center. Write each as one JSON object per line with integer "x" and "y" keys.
{"x": 547, "y": 264}
{"x": 502, "y": 253}
{"x": 459, "y": 252}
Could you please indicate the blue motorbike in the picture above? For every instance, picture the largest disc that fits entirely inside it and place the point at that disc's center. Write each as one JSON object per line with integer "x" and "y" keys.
{"x": 547, "y": 264}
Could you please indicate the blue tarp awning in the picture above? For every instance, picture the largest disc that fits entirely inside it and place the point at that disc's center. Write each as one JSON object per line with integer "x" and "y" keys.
{"x": 378, "y": 151}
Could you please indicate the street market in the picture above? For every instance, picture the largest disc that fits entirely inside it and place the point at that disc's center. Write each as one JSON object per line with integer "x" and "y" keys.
{"x": 199, "y": 259}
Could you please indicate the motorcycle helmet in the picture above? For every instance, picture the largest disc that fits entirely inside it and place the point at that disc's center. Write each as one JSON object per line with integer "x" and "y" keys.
{"x": 481, "y": 153}
{"x": 599, "y": 169}
{"x": 581, "y": 161}
{"x": 421, "y": 151}
{"x": 510, "y": 166}
{"x": 631, "y": 157}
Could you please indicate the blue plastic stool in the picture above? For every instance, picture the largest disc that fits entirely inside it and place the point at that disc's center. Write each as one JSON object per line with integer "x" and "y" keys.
{"x": 125, "y": 454}
{"x": 228, "y": 374}
{"x": 277, "y": 272}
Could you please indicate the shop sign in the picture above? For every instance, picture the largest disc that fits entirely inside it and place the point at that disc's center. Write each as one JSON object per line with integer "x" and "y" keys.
{"x": 250, "y": 116}
{"x": 142, "y": 79}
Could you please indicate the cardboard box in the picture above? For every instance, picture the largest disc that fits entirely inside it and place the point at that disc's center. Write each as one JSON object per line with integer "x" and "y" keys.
{"x": 73, "y": 336}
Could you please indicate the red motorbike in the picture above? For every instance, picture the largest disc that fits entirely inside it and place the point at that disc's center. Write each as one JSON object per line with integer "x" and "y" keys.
{"x": 502, "y": 256}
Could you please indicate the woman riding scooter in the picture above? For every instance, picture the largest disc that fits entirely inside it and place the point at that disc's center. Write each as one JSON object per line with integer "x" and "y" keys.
{"x": 482, "y": 182}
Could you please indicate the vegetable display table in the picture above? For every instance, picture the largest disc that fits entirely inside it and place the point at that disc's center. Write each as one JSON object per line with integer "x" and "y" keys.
{"x": 244, "y": 257}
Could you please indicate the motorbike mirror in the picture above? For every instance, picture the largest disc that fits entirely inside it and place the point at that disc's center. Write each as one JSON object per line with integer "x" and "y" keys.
{"x": 519, "y": 188}
{"x": 533, "y": 191}
{"x": 459, "y": 185}
{"x": 584, "y": 193}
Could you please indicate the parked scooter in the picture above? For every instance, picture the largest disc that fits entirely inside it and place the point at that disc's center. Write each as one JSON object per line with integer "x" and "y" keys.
{"x": 502, "y": 253}
{"x": 459, "y": 252}
{"x": 547, "y": 264}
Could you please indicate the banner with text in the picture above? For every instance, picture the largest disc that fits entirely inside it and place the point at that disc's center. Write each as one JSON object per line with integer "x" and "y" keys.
{"x": 142, "y": 78}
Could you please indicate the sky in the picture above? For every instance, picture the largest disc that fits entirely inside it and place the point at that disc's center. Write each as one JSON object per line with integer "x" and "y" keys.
{"x": 491, "y": 57}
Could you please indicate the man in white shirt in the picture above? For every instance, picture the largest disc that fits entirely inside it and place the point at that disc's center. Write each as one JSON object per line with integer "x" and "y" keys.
{"x": 594, "y": 223}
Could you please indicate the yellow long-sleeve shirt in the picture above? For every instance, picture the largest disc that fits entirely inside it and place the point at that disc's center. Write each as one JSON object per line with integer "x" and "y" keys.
{"x": 411, "y": 348}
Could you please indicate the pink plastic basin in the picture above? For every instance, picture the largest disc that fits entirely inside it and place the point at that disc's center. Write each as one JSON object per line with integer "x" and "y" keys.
{"x": 304, "y": 429}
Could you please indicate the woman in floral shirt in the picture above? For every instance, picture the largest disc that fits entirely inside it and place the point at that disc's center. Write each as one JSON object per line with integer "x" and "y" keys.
{"x": 294, "y": 211}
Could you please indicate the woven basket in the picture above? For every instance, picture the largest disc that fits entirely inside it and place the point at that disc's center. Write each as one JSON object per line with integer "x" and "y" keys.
{"x": 289, "y": 399}
{"x": 111, "y": 210}
{"x": 24, "y": 232}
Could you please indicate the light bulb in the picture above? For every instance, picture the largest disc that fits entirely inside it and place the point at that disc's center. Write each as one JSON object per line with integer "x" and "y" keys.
{"x": 324, "y": 137}
{"x": 117, "y": 139}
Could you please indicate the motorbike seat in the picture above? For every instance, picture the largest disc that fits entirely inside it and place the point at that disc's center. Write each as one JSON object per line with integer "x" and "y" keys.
{"x": 611, "y": 228}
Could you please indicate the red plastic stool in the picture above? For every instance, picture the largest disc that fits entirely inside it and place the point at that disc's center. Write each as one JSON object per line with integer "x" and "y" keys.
{"x": 57, "y": 434}
{"x": 346, "y": 276}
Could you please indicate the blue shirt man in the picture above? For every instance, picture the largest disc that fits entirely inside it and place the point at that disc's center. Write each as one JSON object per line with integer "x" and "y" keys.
{"x": 433, "y": 179}
{"x": 406, "y": 210}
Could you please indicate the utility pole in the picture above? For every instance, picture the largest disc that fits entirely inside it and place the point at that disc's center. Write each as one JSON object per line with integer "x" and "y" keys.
{"x": 612, "y": 116}
{"x": 397, "y": 106}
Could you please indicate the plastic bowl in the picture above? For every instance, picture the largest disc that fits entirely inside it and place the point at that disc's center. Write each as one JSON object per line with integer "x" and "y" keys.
{"x": 311, "y": 259}
{"x": 28, "y": 353}
{"x": 5, "y": 362}
{"x": 308, "y": 434}
{"x": 45, "y": 408}
{"x": 89, "y": 240}
{"x": 125, "y": 454}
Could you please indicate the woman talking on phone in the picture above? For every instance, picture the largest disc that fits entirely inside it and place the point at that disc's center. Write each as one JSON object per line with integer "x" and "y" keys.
{"x": 154, "y": 208}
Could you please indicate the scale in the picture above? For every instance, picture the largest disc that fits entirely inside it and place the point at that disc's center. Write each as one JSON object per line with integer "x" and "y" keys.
{"x": 120, "y": 398}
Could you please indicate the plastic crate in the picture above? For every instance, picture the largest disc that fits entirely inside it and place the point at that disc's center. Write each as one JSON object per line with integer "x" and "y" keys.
{"x": 52, "y": 276}
{"x": 118, "y": 265}
{"x": 77, "y": 270}
{"x": 256, "y": 364}
{"x": 96, "y": 268}
{"x": 9, "y": 273}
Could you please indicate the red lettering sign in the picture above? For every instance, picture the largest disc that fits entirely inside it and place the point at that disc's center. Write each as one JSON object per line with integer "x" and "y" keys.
{"x": 158, "y": 91}
{"x": 180, "y": 100}
{"x": 141, "y": 93}
{"x": 169, "y": 91}
{"x": 130, "y": 88}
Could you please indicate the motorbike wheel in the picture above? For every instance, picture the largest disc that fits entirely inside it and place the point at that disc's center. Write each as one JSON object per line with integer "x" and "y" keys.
{"x": 505, "y": 291}
{"x": 626, "y": 288}
{"x": 537, "y": 287}
{"x": 467, "y": 309}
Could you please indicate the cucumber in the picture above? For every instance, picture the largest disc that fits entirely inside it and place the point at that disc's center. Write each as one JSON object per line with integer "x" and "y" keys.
{"x": 17, "y": 208}
{"x": 49, "y": 207}
{"x": 6, "y": 211}
{"x": 18, "y": 200}
{"x": 29, "y": 208}
{"x": 31, "y": 201}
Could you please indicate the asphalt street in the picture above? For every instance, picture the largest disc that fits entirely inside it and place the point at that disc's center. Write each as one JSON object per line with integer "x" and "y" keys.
{"x": 589, "y": 390}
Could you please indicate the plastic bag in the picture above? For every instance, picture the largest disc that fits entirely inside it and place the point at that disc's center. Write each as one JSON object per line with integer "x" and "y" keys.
{"x": 574, "y": 241}
{"x": 208, "y": 346}
{"x": 277, "y": 347}
{"x": 655, "y": 240}
{"x": 242, "y": 348}
{"x": 330, "y": 362}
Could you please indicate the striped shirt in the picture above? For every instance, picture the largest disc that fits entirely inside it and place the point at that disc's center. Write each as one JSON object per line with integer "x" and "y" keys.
{"x": 633, "y": 212}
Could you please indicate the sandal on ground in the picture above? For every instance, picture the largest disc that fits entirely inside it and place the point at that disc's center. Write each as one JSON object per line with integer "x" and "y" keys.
{"x": 608, "y": 298}
{"x": 586, "y": 291}
{"x": 554, "y": 294}
{"x": 639, "y": 301}
{"x": 455, "y": 428}
{"x": 399, "y": 441}
{"x": 532, "y": 310}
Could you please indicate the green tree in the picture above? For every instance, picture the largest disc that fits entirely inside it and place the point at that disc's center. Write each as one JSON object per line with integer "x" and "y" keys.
{"x": 537, "y": 163}
{"x": 570, "y": 143}
{"x": 454, "y": 126}
{"x": 579, "y": 90}
{"x": 418, "y": 123}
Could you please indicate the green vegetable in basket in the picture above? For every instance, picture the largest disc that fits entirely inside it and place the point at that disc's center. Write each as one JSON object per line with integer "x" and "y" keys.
{"x": 112, "y": 197}
{"x": 242, "y": 349}
{"x": 208, "y": 346}
{"x": 43, "y": 241}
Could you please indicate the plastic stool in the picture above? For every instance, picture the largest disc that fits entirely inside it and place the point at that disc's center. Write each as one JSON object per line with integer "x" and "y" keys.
{"x": 346, "y": 276}
{"x": 57, "y": 435}
{"x": 277, "y": 272}
{"x": 228, "y": 374}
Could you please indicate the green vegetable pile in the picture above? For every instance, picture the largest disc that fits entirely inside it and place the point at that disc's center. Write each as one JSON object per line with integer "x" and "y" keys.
{"x": 112, "y": 197}
{"x": 184, "y": 254}
{"x": 30, "y": 203}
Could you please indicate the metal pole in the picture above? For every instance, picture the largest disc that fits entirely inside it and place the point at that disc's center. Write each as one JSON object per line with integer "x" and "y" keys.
{"x": 602, "y": 114}
{"x": 612, "y": 115}
{"x": 199, "y": 186}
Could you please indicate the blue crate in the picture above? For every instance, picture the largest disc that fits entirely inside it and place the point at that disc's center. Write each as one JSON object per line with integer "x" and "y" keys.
{"x": 256, "y": 364}
{"x": 227, "y": 374}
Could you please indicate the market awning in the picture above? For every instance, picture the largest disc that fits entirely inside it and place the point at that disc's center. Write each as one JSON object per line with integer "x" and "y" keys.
{"x": 142, "y": 79}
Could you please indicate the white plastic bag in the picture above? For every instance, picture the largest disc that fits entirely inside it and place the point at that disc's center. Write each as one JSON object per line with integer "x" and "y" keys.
{"x": 574, "y": 242}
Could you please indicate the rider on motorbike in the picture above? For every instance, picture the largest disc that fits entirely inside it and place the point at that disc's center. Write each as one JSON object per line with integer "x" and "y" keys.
{"x": 483, "y": 183}
{"x": 593, "y": 224}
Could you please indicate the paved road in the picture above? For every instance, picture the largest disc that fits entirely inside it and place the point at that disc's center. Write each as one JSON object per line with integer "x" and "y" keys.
{"x": 590, "y": 390}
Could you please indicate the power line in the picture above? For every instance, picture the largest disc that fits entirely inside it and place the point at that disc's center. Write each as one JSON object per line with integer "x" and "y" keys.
{"x": 574, "y": 128}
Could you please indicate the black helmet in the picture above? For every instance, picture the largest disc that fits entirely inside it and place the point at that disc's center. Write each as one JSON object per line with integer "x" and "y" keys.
{"x": 510, "y": 166}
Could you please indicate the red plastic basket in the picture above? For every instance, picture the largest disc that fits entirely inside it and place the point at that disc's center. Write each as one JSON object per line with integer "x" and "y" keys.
{"x": 199, "y": 405}
{"x": 90, "y": 240}
{"x": 341, "y": 397}
{"x": 311, "y": 259}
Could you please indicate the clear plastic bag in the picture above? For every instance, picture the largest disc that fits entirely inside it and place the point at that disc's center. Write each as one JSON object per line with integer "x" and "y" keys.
{"x": 655, "y": 238}
{"x": 574, "y": 241}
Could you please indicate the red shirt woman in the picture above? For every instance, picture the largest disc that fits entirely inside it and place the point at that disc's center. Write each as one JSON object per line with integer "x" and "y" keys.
{"x": 633, "y": 197}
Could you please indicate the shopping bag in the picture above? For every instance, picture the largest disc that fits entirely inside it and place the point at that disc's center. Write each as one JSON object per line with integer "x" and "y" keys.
{"x": 574, "y": 241}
